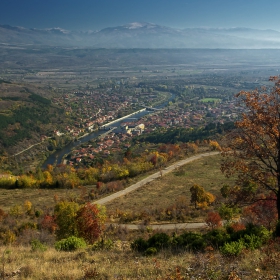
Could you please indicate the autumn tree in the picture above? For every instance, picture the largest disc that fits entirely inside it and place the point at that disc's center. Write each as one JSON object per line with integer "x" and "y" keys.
{"x": 252, "y": 152}
{"x": 200, "y": 197}
{"x": 214, "y": 145}
{"x": 262, "y": 212}
{"x": 90, "y": 220}
{"x": 65, "y": 217}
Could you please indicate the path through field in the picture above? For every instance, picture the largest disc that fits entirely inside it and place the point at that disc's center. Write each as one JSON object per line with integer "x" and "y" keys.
{"x": 152, "y": 177}
{"x": 149, "y": 179}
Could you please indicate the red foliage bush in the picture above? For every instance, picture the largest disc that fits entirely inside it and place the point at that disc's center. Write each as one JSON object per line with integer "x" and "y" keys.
{"x": 89, "y": 223}
{"x": 213, "y": 220}
{"x": 49, "y": 223}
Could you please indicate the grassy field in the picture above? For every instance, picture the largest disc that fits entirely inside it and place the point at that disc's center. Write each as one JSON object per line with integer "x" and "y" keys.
{"x": 41, "y": 199}
{"x": 123, "y": 264}
{"x": 174, "y": 187}
{"x": 162, "y": 192}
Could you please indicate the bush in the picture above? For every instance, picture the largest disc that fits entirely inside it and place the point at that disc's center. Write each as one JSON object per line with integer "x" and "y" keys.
{"x": 159, "y": 240}
{"x": 106, "y": 244}
{"x": 259, "y": 231}
{"x": 190, "y": 240}
{"x": 139, "y": 245}
{"x": 233, "y": 248}
{"x": 217, "y": 238}
{"x": 151, "y": 251}
{"x": 36, "y": 245}
{"x": 252, "y": 242}
{"x": 71, "y": 243}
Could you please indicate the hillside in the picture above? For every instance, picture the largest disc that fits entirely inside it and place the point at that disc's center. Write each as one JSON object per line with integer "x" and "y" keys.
{"x": 26, "y": 117}
{"x": 31, "y": 253}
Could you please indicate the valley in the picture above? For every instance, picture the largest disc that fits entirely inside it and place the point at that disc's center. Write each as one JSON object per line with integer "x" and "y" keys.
{"x": 57, "y": 161}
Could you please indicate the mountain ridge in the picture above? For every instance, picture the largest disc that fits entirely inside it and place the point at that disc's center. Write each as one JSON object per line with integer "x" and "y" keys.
{"x": 144, "y": 35}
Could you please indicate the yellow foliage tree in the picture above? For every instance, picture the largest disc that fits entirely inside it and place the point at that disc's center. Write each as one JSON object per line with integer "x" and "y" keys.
{"x": 201, "y": 198}
{"x": 48, "y": 179}
{"x": 214, "y": 145}
{"x": 27, "y": 206}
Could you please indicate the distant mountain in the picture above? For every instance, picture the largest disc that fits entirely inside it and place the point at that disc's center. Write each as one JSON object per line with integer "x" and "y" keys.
{"x": 144, "y": 35}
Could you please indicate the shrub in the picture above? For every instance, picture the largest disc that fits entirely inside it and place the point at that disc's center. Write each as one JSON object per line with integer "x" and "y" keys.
{"x": 217, "y": 237}
{"x": 8, "y": 237}
{"x": 139, "y": 245}
{"x": 252, "y": 242}
{"x": 71, "y": 243}
{"x": 159, "y": 240}
{"x": 38, "y": 213}
{"x": 28, "y": 225}
{"x": 232, "y": 248}
{"x": 36, "y": 245}
{"x": 151, "y": 251}
{"x": 190, "y": 240}
{"x": 237, "y": 226}
{"x": 106, "y": 244}
{"x": 213, "y": 220}
{"x": 251, "y": 229}
{"x": 48, "y": 223}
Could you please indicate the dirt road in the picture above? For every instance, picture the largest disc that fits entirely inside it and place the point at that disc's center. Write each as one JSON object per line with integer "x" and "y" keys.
{"x": 152, "y": 177}
{"x": 176, "y": 226}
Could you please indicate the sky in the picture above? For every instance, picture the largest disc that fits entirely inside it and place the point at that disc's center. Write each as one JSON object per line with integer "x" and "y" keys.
{"x": 98, "y": 14}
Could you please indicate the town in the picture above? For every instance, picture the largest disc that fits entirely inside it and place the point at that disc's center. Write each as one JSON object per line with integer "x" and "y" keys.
{"x": 108, "y": 107}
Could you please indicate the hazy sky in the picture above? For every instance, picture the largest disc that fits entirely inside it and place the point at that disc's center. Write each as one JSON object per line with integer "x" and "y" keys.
{"x": 98, "y": 14}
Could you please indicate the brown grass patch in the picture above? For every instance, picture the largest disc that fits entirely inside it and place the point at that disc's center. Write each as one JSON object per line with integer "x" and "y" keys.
{"x": 40, "y": 198}
{"x": 122, "y": 263}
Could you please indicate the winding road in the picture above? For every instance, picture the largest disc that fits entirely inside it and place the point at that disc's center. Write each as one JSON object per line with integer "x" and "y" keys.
{"x": 148, "y": 179}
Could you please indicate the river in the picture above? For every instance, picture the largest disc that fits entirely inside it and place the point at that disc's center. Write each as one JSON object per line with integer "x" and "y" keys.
{"x": 58, "y": 155}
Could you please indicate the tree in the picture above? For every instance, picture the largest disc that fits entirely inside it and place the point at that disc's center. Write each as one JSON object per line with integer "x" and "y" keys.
{"x": 65, "y": 217}
{"x": 253, "y": 149}
{"x": 214, "y": 145}
{"x": 262, "y": 212}
{"x": 90, "y": 221}
{"x": 200, "y": 197}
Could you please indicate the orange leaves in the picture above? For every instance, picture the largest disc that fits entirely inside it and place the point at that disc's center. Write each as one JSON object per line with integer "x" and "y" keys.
{"x": 90, "y": 222}
{"x": 214, "y": 145}
{"x": 253, "y": 150}
{"x": 200, "y": 197}
{"x": 213, "y": 220}
{"x": 49, "y": 223}
{"x": 262, "y": 212}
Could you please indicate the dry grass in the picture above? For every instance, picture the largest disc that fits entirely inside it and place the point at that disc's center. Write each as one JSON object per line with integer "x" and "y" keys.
{"x": 205, "y": 172}
{"x": 41, "y": 199}
{"x": 175, "y": 186}
{"x": 122, "y": 263}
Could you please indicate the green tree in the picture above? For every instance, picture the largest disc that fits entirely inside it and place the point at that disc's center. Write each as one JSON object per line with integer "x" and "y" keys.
{"x": 65, "y": 217}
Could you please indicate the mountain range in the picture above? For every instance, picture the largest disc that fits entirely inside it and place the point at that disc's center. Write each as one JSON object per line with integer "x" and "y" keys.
{"x": 144, "y": 35}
